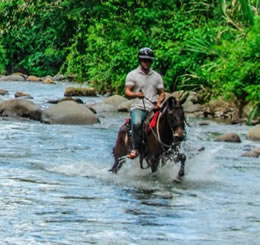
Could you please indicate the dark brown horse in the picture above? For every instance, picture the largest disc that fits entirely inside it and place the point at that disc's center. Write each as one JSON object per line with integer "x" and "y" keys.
{"x": 160, "y": 143}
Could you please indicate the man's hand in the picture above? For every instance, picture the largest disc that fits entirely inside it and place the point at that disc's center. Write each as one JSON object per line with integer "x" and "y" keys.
{"x": 139, "y": 95}
{"x": 157, "y": 106}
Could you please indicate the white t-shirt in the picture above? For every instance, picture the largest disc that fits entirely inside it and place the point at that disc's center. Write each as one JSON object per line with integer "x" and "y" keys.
{"x": 149, "y": 84}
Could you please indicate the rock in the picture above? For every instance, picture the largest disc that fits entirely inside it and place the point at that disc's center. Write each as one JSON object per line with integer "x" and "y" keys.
{"x": 22, "y": 94}
{"x": 125, "y": 106}
{"x": 204, "y": 123}
{"x": 102, "y": 107}
{"x": 191, "y": 108}
{"x": 12, "y": 77}
{"x": 3, "y": 92}
{"x": 48, "y": 80}
{"x": 20, "y": 74}
{"x": 253, "y": 153}
{"x": 69, "y": 112}
{"x": 71, "y": 91}
{"x": 20, "y": 108}
{"x": 254, "y": 133}
{"x": 59, "y": 77}
{"x": 246, "y": 110}
{"x": 229, "y": 137}
{"x": 77, "y": 100}
{"x": 221, "y": 109}
{"x": 115, "y": 100}
{"x": 33, "y": 79}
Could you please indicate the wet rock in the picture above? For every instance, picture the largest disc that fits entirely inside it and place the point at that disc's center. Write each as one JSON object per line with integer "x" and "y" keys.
{"x": 3, "y": 92}
{"x": 228, "y": 137}
{"x": 222, "y": 109}
{"x": 69, "y": 112}
{"x": 254, "y": 133}
{"x": 253, "y": 153}
{"x": 102, "y": 107}
{"x": 204, "y": 123}
{"x": 192, "y": 108}
{"x": 12, "y": 77}
{"x": 77, "y": 100}
{"x": 20, "y": 108}
{"x": 59, "y": 77}
{"x": 22, "y": 94}
{"x": 115, "y": 100}
{"x": 71, "y": 91}
{"x": 125, "y": 106}
{"x": 48, "y": 80}
{"x": 33, "y": 79}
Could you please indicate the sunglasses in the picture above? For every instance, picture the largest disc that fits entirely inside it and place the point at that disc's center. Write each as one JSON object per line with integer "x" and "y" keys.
{"x": 147, "y": 60}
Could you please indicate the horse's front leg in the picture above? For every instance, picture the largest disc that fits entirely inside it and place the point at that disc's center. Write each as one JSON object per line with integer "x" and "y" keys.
{"x": 154, "y": 162}
{"x": 182, "y": 158}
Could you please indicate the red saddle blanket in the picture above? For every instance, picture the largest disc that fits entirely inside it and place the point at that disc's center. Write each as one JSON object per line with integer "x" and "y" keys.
{"x": 153, "y": 121}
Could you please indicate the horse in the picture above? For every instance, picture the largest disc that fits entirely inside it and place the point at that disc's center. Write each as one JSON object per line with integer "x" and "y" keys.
{"x": 161, "y": 137}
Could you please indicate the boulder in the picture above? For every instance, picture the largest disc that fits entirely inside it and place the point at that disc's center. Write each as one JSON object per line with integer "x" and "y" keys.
{"x": 254, "y": 133}
{"x": 3, "y": 92}
{"x": 77, "y": 100}
{"x": 22, "y": 94}
{"x": 12, "y": 77}
{"x": 71, "y": 91}
{"x": 115, "y": 100}
{"x": 102, "y": 107}
{"x": 59, "y": 77}
{"x": 220, "y": 108}
{"x": 69, "y": 112}
{"x": 125, "y": 106}
{"x": 253, "y": 153}
{"x": 191, "y": 108}
{"x": 228, "y": 137}
{"x": 33, "y": 79}
{"x": 48, "y": 80}
{"x": 20, "y": 108}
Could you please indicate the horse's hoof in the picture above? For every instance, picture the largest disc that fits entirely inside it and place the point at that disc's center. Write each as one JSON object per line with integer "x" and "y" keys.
{"x": 181, "y": 173}
{"x": 112, "y": 170}
{"x": 177, "y": 180}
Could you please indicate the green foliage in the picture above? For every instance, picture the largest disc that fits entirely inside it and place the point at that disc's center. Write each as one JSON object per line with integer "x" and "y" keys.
{"x": 97, "y": 42}
{"x": 235, "y": 73}
{"x": 35, "y": 35}
{"x": 3, "y": 60}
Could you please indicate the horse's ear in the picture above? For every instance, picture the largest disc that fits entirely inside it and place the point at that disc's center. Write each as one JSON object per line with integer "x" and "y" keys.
{"x": 182, "y": 101}
{"x": 183, "y": 97}
{"x": 171, "y": 102}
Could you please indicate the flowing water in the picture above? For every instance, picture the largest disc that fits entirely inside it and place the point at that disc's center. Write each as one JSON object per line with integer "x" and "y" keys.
{"x": 55, "y": 187}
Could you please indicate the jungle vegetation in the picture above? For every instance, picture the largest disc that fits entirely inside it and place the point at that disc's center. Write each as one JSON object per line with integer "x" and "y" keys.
{"x": 204, "y": 45}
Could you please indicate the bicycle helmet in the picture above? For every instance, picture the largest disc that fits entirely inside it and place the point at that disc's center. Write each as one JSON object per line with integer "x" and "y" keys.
{"x": 146, "y": 53}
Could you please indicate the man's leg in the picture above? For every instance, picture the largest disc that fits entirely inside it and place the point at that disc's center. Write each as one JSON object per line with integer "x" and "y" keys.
{"x": 137, "y": 118}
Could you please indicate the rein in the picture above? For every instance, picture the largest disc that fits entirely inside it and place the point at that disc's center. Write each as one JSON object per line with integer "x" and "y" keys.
{"x": 157, "y": 133}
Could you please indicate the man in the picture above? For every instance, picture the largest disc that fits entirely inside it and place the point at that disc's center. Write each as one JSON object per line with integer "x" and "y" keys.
{"x": 145, "y": 87}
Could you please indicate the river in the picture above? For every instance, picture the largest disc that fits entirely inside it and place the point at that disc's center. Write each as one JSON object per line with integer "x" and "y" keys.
{"x": 55, "y": 187}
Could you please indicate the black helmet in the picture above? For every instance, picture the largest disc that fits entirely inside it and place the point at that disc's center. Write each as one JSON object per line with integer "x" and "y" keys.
{"x": 146, "y": 53}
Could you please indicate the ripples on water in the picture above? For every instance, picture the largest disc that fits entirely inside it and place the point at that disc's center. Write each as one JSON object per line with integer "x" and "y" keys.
{"x": 55, "y": 187}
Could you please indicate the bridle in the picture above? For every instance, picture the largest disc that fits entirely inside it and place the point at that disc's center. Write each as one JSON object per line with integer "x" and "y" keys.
{"x": 173, "y": 126}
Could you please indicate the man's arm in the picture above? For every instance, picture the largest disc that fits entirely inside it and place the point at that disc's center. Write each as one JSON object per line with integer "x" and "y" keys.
{"x": 131, "y": 95}
{"x": 161, "y": 97}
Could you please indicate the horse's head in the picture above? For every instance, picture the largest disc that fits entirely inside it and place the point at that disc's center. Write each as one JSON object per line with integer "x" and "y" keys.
{"x": 175, "y": 116}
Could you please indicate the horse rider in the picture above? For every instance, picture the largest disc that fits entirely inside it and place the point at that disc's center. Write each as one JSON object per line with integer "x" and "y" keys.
{"x": 145, "y": 87}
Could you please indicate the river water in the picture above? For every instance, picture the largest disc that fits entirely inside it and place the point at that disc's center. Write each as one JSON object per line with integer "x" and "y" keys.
{"x": 55, "y": 187}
